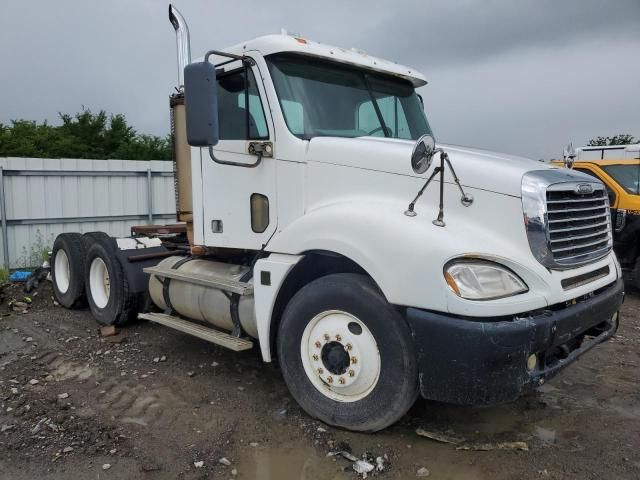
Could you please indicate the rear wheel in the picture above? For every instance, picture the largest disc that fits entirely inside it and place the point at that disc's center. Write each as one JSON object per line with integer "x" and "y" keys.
{"x": 347, "y": 354}
{"x": 99, "y": 282}
{"x": 108, "y": 293}
{"x": 67, "y": 269}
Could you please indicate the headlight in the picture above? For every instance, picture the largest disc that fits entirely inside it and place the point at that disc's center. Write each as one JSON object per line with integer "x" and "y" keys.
{"x": 482, "y": 280}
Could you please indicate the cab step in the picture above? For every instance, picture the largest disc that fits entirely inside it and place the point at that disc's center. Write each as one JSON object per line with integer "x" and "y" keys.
{"x": 219, "y": 283}
{"x": 206, "y": 333}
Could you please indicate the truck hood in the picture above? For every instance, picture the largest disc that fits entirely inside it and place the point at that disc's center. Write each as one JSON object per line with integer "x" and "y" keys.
{"x": 480, "y": 169}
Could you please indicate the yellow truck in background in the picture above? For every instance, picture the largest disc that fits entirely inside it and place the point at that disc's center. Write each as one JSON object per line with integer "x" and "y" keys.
{"x": 618, "y": 167}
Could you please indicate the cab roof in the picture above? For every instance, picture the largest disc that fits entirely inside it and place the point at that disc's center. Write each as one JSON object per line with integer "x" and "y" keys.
{"x": 269, "y": 44}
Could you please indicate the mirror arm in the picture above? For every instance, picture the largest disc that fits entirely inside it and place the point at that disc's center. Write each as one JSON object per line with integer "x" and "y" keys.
{"x": 244, "y": 59}
{"x": 410, "y": 211}
{"x": 466, "y": 198}
{"x": 439, "y": 222}
{"x": 247, "y": 62}
{"x": 235, "y": 164}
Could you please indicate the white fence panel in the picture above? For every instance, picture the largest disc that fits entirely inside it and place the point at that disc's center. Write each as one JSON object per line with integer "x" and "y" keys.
{"x": 42, "y": 197}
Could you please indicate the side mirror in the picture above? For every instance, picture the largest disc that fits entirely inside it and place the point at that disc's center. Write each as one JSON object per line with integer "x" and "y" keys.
{"x": 201, "y": 104}
{"x": 569, "y": 156}
{"x": 422, "y": 154}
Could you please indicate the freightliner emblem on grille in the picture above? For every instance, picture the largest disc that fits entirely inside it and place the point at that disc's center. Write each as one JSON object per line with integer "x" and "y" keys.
{"x": 584, "y": 188}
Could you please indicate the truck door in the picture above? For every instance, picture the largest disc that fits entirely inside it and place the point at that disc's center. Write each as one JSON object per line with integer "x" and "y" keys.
{"x": 239, "y": 203}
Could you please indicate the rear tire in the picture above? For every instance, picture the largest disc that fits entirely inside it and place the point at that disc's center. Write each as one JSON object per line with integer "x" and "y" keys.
{"x": 107, "y": 289}
{"x": 346, "y": 354}
{"x": 67, "y": 269}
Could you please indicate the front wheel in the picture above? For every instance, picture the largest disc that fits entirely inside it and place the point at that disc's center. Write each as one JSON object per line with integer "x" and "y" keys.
{"x": 347, "y": 355}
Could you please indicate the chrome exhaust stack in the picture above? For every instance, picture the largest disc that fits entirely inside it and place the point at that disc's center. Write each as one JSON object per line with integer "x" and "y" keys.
{"x": 181, "y": 149}
{"x": 183, "y": 42}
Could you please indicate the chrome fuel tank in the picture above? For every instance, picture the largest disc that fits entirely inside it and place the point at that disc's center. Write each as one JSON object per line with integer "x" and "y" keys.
{"x": 202, "y": 303}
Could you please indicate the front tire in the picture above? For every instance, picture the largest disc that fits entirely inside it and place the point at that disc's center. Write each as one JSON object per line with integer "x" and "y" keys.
{"x": 346, "y": 354}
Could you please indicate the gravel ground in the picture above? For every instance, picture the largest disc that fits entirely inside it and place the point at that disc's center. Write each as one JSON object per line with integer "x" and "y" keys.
{"x": 152, "y": 403}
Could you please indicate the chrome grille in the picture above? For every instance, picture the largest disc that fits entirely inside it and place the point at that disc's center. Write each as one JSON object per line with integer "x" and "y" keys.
{"x": 578, "y": 222}
{"x": 566, "y": 217}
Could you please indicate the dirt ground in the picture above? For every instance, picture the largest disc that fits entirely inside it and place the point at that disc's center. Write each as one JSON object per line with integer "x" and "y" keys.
{"x": 152, "y": 403}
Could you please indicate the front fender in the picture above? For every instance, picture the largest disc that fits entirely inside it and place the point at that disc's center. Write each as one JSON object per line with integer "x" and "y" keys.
{"x": 350, "y": 229}
{"x": 405, "y": 255}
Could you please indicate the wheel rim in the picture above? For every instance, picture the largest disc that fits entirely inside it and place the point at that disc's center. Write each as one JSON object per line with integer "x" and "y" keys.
{"x": 340, "y": 356}
{"x": 99, "y": 282}
{"x": 62, "y": 271}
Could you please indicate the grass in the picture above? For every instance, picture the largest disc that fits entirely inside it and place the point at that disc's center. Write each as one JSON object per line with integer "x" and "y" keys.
{"x": 4, "y": 275}
{"x": 36, "y": 254}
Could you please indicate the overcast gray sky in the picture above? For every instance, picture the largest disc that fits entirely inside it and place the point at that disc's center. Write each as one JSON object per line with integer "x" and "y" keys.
{"x": 519, "y": 76}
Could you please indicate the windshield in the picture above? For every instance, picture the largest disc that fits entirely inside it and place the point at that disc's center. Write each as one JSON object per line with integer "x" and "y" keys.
{"x": 628, "y": 176}
{"x": 324, "y": 98}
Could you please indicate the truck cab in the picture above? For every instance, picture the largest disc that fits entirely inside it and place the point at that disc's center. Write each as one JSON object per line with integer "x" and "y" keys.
{"x": 618, "y": 168}
{"x": 300, "y": 95}
{"x": 325, "y": 225}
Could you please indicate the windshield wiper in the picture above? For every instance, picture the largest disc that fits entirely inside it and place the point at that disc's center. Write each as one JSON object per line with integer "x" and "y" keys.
{"x": 376, "y": 107}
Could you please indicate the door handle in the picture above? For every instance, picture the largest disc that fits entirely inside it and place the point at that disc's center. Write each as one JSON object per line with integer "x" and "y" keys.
{"x": 235, "y": 164}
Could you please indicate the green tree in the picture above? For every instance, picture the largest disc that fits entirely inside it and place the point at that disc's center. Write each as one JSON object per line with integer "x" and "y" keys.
{"x": 621, "y": 139}
{"x": 83, "y": 135}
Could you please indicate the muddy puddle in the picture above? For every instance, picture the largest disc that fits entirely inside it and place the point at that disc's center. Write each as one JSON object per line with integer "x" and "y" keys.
{"x": 526, "y": 421}
{"x": 288, "y": 462}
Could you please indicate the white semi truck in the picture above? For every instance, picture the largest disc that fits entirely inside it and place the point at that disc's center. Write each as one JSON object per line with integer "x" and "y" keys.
{"x": 320, "y": 222}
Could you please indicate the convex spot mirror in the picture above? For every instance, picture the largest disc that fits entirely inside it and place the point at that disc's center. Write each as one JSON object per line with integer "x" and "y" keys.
{"x": 201, "y": 104}
{"x": 569, "y": 155}
{"x": 422, "y": 154}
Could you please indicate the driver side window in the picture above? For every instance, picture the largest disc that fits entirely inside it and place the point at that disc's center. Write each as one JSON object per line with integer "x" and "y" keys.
{"x": 235, "y": 122}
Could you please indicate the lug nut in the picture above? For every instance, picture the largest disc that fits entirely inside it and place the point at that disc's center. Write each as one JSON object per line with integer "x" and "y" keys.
{"x": 315, "y": 357}
{"x": 318, "y": 344}
{"x": 341, "y": 380}
{"x": 321, "y": 371}
{"x": 338, "y": 337}
{"x": 354, "y": 359}
{"x": 326, "y": 336}
{"x": 351, "y": 373}
{"x": 330, "y": 379}
{"x": 349, "y": 346}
